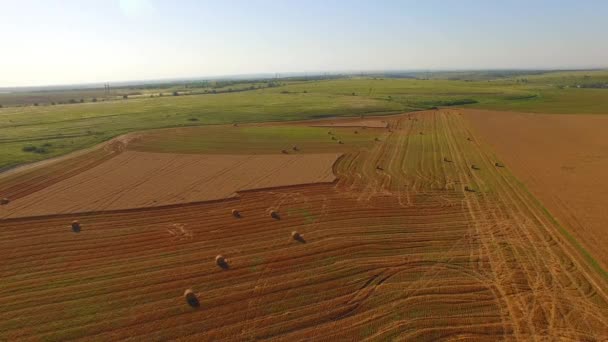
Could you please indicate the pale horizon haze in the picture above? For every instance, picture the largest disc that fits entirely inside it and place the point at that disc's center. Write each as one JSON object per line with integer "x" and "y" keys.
{"x": 70, "y": 42}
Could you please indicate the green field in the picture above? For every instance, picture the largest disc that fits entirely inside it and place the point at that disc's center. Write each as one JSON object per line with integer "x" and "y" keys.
{"x": 253, "y": 140}
{"x": 31, "y": 133}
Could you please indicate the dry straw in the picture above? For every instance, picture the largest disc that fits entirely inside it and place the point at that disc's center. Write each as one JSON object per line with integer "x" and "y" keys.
{"x": 76, "y": 226}
{"x": 191, "y": 298}
{"x": 221, "y": 261}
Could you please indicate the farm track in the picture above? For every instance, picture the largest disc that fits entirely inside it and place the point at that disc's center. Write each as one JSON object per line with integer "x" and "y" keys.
{"x": 395, "y": 252}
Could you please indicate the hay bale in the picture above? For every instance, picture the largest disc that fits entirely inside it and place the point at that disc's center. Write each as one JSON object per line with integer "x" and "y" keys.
{"x": 221, "y": 261}
{"x": 356, "y": 132}
{"x": 447, "y": 160}
{"x": 468, "y": 189}
{"x": 284, "y": 151}
{"x": 333, "y": 138}
{"x": 378, "y": 167}
{"x": 274, "y": 215}
{"x": 474, "y": 167}
{"x": 295, "y": 148}
{"x": 4, "y": 201}
{"x": 376, "y": 139}
{"x": 421, "y": 133}
{"x": 191, "y": 298}
{"x": 236, "y": 213}
{"x": 497, "y": 164}
{"x": 76, "y": 226}
{"x": 340, "y": 142}
{"x": 297, "y": 236}
{"x": 469, "y": 139}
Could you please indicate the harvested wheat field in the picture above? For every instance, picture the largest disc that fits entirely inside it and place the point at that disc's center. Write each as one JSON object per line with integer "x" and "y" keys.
{"x": 563, "y": 160}
{"x": 144, "y": 179}
{"x": 394, "y": 249}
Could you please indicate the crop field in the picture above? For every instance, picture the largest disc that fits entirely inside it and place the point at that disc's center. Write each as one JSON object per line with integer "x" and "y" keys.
{"x": 563, "y": 160}
{"x": 423, "y": 235}
{"x": 140, "y": 179}
{"x": 33, "y": 133}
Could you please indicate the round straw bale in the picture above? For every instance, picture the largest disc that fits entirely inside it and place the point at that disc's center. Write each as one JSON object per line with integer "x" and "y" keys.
{"x": 221, "y": 261}
{"x": 76, "y": 225}
{"x": 191, "y": 298}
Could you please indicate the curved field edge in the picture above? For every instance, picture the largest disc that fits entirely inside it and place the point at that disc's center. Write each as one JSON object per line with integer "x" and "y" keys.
{"x": 145, "y": 179}
{"x": 394, "y": 249}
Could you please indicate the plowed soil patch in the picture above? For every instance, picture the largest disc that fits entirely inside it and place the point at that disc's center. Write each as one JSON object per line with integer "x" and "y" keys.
{"x": 141, "y": 179}
{"x": 563, "y": 160}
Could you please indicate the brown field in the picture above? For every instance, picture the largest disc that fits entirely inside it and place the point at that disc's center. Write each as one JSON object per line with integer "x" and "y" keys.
{"x": 144, "y": 179}
{"x": 563, "y": 160}
{"x": 394, "y": 249}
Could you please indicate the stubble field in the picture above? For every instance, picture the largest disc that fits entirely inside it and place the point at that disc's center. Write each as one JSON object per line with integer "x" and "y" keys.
{"x": 421, "y": 237}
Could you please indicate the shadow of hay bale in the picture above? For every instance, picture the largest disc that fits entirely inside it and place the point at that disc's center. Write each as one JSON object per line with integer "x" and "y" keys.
{"x": 275, "y": 215}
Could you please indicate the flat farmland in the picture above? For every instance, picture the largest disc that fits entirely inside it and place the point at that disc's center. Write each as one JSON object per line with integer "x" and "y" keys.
{"x": 421, "y": 237}
{"x": 563, "y": 160}
{"x": 145, "y": 179}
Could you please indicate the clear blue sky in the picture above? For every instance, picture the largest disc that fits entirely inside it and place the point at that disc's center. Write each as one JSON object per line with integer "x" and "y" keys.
{"x": 69, "y": 41}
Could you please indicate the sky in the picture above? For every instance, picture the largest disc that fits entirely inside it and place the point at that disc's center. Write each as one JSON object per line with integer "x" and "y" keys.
{"x": 91, "y": 41}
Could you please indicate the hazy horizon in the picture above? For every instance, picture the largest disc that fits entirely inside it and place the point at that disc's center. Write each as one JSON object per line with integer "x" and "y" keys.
{"x": 129, "y": 40}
